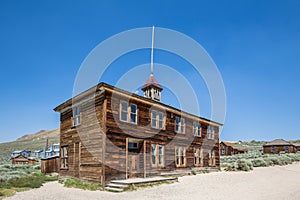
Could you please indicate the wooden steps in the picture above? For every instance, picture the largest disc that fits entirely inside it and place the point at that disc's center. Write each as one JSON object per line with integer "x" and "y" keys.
{"x": 115, "y": 187}
{"x": 120, "y": 185}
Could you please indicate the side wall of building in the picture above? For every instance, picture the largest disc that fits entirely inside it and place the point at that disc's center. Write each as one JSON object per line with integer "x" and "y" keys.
{"x": 83, "y": 142}
{"x": 276, "y": 149}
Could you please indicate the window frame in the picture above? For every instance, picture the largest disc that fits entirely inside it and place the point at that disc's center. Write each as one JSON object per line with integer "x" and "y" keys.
{"x": 212, "y": 158}
{"x": 64, "y": 163}
{"x": 210, "y": 132}
{"x": 180, "y": 156}
{"x": 159, "y": 119}
{"x": 76, "y": 116}
{"x": 128, "y": 112}
{"x": 180, "y": 125}
{"x": 159, "y": 158}
{"x": 197, "y": 129}
{"x": 286, "y": 149}
{"x": 198, "y": 157}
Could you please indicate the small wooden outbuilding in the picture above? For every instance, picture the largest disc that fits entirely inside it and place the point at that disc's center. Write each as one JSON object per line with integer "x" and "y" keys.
{"x": 229, "y": 148}
{"x": 50, "y": 165}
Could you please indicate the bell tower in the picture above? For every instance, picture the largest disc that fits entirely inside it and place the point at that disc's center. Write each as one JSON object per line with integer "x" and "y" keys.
{"x": 152, "y": 88}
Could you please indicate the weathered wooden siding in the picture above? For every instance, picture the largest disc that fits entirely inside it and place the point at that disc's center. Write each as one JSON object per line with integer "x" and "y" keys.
{"x": 84, "y": 142}
{"x": 101, "y": 138}
{"x": 50, "y": 165}
{"x": 278, "y": 149}
{"x": 118, "y": 131}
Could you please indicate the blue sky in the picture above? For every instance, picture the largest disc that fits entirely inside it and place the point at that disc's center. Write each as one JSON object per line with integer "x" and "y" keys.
{"x": 255, "y": 45}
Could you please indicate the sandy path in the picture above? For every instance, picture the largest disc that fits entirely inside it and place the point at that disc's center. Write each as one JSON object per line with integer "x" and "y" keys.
{"x": 263, "y": 183}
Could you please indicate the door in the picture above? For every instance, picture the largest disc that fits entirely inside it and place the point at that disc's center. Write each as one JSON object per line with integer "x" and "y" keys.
{"x": 133, "y": 165}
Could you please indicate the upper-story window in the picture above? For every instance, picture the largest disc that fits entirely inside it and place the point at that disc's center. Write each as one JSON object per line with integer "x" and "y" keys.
{"x": 128, "y": 112}
{"x": 210, "y": 132}
{"x": 157, "y": 119}
{"x": 76, "y": 116}
{"x": 179, "y": 125}
{"x": 197, "y": 129}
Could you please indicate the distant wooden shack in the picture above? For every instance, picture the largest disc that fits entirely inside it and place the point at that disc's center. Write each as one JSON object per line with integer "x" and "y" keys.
{"x": 22, "y": 160}
{"x": 50, "y": 165}
{"x": 279, "y": 146}
{"x": 229, "y": 148}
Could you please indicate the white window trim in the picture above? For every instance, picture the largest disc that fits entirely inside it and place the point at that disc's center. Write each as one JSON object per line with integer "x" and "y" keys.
{"x": 197, "y": 132}
{"x": 181, "y": 121}
{"x": 156, "y": 154}
{"x": 128, "y": 112}
{"x": 157, "y": 119}
{"x": 210, "y": 133}
{"x": 76, "y": 116}
{"x": 182, "y": 156}
{"x": 64, "y": 158}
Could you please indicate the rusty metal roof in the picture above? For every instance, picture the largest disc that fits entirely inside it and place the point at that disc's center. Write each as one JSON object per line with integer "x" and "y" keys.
{"x": 151, "y": 82}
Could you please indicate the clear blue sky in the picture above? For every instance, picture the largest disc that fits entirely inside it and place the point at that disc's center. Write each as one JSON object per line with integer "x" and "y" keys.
{"x": 255, "y": 45}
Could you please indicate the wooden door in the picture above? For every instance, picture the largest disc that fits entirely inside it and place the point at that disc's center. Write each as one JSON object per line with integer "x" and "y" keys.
{"x": 76, "y": 159}
{"x": 133, "y": 165}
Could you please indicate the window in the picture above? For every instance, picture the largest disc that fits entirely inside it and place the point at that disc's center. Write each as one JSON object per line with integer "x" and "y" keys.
{"x": 76, "y": 116}
{"x": 286, "y": 148}
{"x": 222, "y": 151}
{"x": 198, "y": 156}
{"x": 211, "y": 156}
{"x": 132, "y": 145}
{"x": 128, "y": 112}
{"x": 210, "y": 132}
{"x": 157, "y": 119}
{"x": 180, "y": 158}
{"x": 133, "y": 113}
{"x": 272, "y": 149}
{"x": 157, "y": 155}
{"x": 124, "y": 111}
{"x": 64, "y": 157}
{"x": 179, "y": 125}
{"x": 196, "y": 129}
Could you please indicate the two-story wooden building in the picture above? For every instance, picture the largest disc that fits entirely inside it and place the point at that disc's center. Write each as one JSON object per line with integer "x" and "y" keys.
{"x": 107, "y": 133}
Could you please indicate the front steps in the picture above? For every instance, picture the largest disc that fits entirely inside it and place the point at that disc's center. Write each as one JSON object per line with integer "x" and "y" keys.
{"x": 113, "y": 187}
{"x": 120, "y": 185}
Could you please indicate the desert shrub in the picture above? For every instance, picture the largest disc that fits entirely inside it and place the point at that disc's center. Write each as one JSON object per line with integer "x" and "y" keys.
{"x": 193, "y": 172}
{"x": 231, "y": 167}
{"x": 294, "y": 157}
{"x": 27, "y": 182}
{"x": 79, "y": 184}
{"x": 244, "y": 165}
{"x": 259, "y": 162}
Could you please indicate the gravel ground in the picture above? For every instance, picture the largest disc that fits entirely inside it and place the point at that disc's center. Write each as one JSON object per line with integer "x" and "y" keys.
{"x": 263, "y": 183}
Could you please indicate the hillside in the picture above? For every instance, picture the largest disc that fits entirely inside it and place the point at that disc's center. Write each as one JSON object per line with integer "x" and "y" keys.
{"x": 35, "y": 141}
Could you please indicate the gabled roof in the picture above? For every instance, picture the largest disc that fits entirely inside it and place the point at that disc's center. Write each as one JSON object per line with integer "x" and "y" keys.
{"x": 277, "y": 142}
{"x": 151, "y": 82}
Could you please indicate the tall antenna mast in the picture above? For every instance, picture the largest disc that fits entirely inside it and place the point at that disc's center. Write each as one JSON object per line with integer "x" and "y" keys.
{"x": 151, "y": 66}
